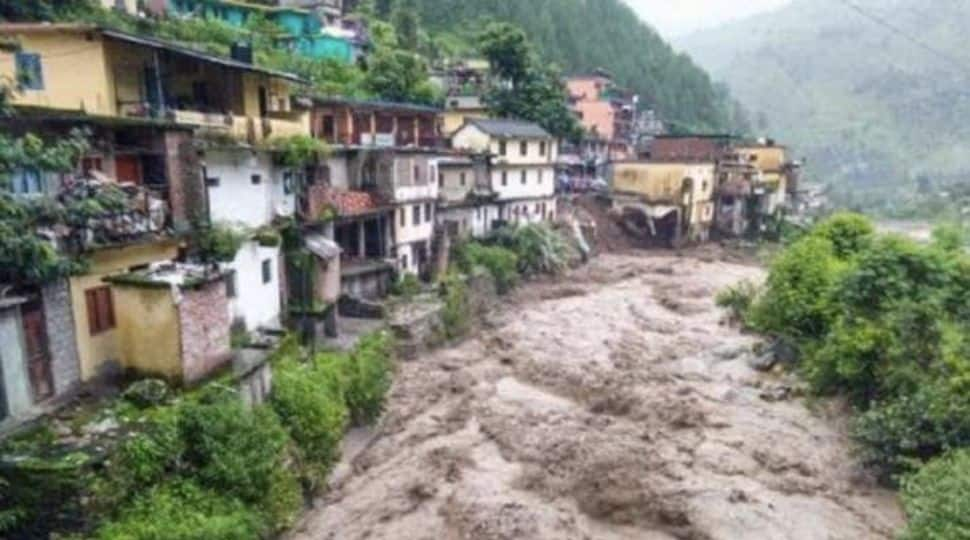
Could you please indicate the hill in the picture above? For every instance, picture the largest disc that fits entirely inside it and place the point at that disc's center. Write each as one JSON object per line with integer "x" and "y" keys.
{"x": 581, "y": 35}
{"x": 865, "y": 104}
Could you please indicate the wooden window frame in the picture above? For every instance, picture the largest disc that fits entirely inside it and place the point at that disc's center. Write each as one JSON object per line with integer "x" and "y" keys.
{"x": 100, "y": 310}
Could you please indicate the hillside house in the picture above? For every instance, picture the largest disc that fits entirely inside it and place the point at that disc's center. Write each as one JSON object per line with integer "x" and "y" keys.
{"x": 173, "y": 321}
{"x": 673, "y": 202}
{"x": 607, "y": 112}
{"x": 466, "y": 203}
{"x": 523, "y": 157}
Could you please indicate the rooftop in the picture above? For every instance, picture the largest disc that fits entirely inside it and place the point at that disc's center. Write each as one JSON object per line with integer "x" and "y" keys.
{"x": 170, "y": 274}
{"x": 375, "y": 104}
{"x": 175, "y": 48}
{"x": 505, "y": 128}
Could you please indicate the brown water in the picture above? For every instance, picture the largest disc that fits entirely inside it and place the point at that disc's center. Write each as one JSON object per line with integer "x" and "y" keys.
{"x": 612, "y": 404}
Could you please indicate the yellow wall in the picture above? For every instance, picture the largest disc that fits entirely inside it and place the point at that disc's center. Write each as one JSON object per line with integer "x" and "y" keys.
{"x": 74, "y": 71}
{"x": 663, "y": 183}
{"x": 148, "y": 330}
{"x": 453, "y": 119}
{"x": 769, "y": 158}
{"x": 95, "y": 351}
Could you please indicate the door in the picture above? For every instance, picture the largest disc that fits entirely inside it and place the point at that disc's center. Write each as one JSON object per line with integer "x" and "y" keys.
{"x": 38, "y": 355}
{"x": 128, "y": 169}
{"x": 263, "y": 102}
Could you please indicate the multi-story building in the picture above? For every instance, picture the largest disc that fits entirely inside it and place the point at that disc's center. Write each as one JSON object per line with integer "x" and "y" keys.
{"x": 673, "y": 201}
{"x": 148, "y": 103}
{"x": 381, "y": 180}
{"x": 522, "y": 169}
{"x": 464, "y": 85}
{"x": 606, "y": 112}
{"x": 467, "y": 203}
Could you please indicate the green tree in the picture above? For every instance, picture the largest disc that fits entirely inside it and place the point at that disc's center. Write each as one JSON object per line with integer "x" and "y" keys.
{"x": 525, "y": 89}
{"x": 407, "y": 24}
{"x": 398, "y": 75}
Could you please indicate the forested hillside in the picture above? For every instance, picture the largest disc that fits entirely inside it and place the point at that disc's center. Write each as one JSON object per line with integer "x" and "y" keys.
{"x": 866, "y": 104}
{"x": 581, "y": 35}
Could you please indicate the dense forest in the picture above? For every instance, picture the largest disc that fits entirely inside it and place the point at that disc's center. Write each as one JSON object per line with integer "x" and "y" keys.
{"x": 866, "y": 103}
{"x": 581, "y": 36}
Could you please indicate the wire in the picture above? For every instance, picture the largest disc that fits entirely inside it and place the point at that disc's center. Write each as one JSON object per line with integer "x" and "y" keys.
{"x": 881, "y": 21}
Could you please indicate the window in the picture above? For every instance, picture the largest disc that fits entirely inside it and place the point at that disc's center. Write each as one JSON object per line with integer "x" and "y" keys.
{"x": 538, "y": 209}
{"x": 416, "y": 215}
{"x": 501, "y": 148}
{"x": 212, "y": 181}
{"x": 524, "y": 176}
{"x": 542, "y": 148}
{"x": 27, "y": 181}
{"x": 404, "y": 216}
{"x": 231, "y": 285}
{"x": 101, "y": 312}
{"x": 505, "y": 178}
{"x": 267, "y": 271}
{"x": 417, "y": 173}
{"x": 540, "y": 175}
{"x": 461, "y": 178}
{"x": 287, "y": 182}
{"x": 256, "y": 179}
{"x": 404, "y": 262}
{"x": 523, "y": 148}
{"x": 441, "y": 179}
{"x": 427, "y": 211}
{"x": 30, "y": 76}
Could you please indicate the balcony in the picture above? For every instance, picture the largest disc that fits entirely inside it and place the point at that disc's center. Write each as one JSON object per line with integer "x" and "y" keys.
{"x": 103, "y": 213}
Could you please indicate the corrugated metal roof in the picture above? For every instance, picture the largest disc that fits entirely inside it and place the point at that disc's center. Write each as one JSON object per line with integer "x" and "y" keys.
{"x": 505, "y": 128}
{"x": 192, "y": 53}
{"x": 376, "y": 104}
{"x": 322, "y": 247}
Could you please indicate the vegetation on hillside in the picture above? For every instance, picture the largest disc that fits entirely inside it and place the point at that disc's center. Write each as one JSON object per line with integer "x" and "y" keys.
{"x": 883, "y": 321}
{"x": 200, "y": 465}
{"x": 864, "y": 104}
{"x": 582, "y": 36}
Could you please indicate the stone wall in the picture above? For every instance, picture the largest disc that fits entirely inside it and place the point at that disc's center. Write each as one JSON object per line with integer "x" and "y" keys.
{"x": 65, "y": 362}
{"x": 204, "y": 327}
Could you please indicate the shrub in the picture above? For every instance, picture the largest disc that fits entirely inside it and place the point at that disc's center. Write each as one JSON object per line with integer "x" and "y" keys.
{"x": 309, "y": 401}
{"x": 367, "y": 377}
{"x": 848, "y": 232}
{"x": 737, "y": 299}
{"x": 407, "y": 287}
{"x": 936, "y": 499}
{"x": 217, "y": 243}
{"x": 500, "y": 262}
{"x": 950, "y": 237}
{"x": 797, "y": 301}
{"x": 182, "y": 511}
{"x": 848, "y": 359}
{"x": 232, "y": 450}
{"x": 538, "y": 248}
{"x": 896, "y": 435}
{"x": 456, "y": 312}
{"x": 141, "y": 461}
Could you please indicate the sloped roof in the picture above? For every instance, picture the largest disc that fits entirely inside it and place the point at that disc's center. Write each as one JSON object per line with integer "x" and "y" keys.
{"x": 504, "y": 128}
{"x": 322, "y": 247}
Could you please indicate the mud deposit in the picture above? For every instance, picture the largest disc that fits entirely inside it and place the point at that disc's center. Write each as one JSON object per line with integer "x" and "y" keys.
{"x": 611, "y": 404}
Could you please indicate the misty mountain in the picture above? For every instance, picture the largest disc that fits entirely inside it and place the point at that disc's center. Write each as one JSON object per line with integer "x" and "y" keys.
{"x": 864, "y": 103}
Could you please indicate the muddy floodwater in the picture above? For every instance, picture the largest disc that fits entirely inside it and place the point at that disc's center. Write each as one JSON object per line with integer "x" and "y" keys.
{"x": 613, "y": 403}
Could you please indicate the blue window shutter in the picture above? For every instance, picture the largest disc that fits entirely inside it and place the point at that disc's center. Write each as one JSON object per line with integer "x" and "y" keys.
{"x": 29, "y": 72}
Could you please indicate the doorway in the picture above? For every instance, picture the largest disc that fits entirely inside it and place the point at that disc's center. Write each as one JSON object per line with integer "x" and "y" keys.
{"x": 38, "y": 354}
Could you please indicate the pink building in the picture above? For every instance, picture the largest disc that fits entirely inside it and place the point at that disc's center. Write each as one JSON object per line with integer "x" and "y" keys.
{"x": 595, "y": 112}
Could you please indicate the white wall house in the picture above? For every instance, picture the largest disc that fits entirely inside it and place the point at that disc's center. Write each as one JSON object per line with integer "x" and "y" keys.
{"x": 523, "y": 164}
{"x": 467, "y": 205}
{"x": 248, "y": 191}
{"x": 414, "y": 190}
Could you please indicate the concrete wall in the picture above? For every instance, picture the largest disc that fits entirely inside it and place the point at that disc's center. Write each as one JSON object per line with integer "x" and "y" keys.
{"x": 256, "y": 303}
{"x": 327, "y": 283}
{"x": 456, "y": 182}
{"x": 74, "y": 71}
{"x": 13, "y": 362}
{"x": 475, "y": 221}
{"x": 533, "y": 151}
{"x": 61, "y": 341}
{"x": 148, "y": 330}
{"x": 96, "y": 352}
{"x": 237, "y": 199}
{"x": 405, "y": 231}
{"x": 204, "y": 329}
{"x": 539, "y": 181}
{"x": 524, "y": 212}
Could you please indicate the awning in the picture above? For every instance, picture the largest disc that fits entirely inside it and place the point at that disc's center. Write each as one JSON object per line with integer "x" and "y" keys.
{"x": 658, "y": 212}
{"x": 322, "y": 247}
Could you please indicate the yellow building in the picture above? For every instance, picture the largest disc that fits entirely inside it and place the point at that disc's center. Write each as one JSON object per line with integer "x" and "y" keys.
{"x": 96, "y": 314}
{"x": 173, "y": 321}
{"x": 458, "y": 110}
{"x": 675, "y": 200}
{"x": 111, "y": 73}
{"x": 778, "y": 173}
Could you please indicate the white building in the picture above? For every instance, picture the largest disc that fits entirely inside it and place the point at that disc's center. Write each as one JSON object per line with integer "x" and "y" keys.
{"x": 247, "y": 191}
{"x": 523, "y": 162}
{"x": 467, "y": 204}
{"x": 412, "y": 187}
